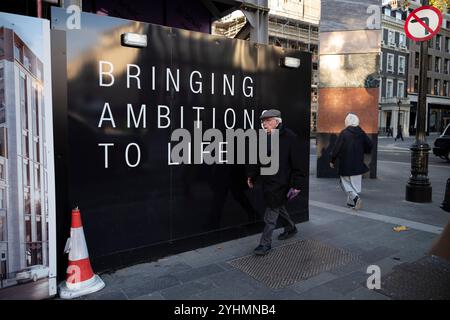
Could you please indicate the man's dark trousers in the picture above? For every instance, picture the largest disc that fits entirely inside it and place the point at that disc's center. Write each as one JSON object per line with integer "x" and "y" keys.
{"x": 270, "y": 218}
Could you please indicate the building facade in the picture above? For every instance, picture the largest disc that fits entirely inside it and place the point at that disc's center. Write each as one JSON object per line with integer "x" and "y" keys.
{"x": 394, "y": 105}
{"x": 438, "y": 77}
{"x": 295, "y": 24}
{"x": 23, "y": 172}
{"x": 292, "y": 24}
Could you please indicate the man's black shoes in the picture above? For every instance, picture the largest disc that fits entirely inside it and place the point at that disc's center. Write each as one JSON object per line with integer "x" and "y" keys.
{"x": 262, "y": 250}
{"x": 287, "y": 234}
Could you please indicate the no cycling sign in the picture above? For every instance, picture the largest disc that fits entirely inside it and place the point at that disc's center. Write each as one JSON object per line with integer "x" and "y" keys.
{"x": 423, "y": 23}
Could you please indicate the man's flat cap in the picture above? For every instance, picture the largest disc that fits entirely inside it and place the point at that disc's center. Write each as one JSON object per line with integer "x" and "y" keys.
{"x": 272, "y": 113}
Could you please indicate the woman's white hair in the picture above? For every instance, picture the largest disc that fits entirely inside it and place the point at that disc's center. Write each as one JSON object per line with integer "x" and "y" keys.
{"x": 351, "y": 120}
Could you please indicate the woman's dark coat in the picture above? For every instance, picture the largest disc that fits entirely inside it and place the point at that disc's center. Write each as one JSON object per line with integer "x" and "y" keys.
{"x": 349, "y": 149}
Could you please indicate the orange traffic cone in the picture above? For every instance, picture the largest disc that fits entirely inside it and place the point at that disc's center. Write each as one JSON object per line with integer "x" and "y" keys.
{"x": 80, "y": 279}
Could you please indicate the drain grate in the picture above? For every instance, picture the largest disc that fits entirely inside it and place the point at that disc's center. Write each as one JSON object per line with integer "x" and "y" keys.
{"x": 425, "y": 279}
{"x": 293, "y": 262}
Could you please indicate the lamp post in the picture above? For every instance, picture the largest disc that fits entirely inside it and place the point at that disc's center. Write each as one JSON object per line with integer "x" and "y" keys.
{"x": 418, "y": 188}
{"x": 399, "y": 102}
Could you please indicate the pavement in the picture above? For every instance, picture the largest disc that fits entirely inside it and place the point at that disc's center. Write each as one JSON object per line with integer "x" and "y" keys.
{"x": 366, "y": 236}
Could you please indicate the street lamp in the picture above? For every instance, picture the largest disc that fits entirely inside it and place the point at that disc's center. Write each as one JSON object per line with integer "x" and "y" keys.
{"x": 399, "y": 102}
{"x": 418, "y": 188}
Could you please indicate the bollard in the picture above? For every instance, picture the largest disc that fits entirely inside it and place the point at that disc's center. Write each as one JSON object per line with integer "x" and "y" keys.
{"x": 446, "y": 203}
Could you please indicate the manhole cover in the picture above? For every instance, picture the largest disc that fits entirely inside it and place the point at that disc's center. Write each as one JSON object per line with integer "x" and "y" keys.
{"x": 425, "y": 279}
{"x": 293, "y": 262}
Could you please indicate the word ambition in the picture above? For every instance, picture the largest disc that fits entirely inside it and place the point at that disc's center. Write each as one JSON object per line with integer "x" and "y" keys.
{"x": 230, "y": 138}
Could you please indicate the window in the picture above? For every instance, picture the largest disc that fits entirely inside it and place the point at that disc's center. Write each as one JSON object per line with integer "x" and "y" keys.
{"x": 33, "y": 253}
{"x": 401, "y": 64}
{"x": 27, "y": 228}
{"x": 17, "y": 52}
{"x": 437, "y": 65}
{"x": 401, "y": 89}
{"x": 436, "y": 87}
{"x": 398, "y": 15}
{"x": 36, "y": 155}
{"x": 39, "y": 72}
{"x": 3, "y": 142}
{"x": 26, "y": 173}
{"x": 389, "y": 88}
{"x": 391, "y": 37}
{"x": 25, "y": 146}
{"x": 390, "y": 62}
{"x": 37, "y": 178}
{"x": 38, "y": 207}
{"x": 430, "y": 43}
{"x": 430, "y": 62}
{"x": 416, "y": 83}
{"x": 387, "y": 11}
{"x": 38, "y": 228}
{"x": 2, "y": 115}
{"x": 438, "y": 42}
{"x": 23, "y": 101}
{"x": 402, "y": 40}
{"x": 446, "y": 66}
{"x": 447, "y": 43}
{"x": 38, "y": 252}
{"x": 381, "y": 89}
{"x": 35, "y": 112}
{"x": 2, "y": 228}
{"x": 26, "y": 62}
{"x": 2, "y": 90}
{"x": 417, "y": 60}
{"x": 2, "y": 50}
{"x": 445, "y": 88}
{"x": 2, "y": 198}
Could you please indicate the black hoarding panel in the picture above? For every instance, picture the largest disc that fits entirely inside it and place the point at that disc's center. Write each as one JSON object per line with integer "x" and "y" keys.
{"x": 288, "y": 89}
{"x": 123, "y": 104}
{"x": 213, "y": 197}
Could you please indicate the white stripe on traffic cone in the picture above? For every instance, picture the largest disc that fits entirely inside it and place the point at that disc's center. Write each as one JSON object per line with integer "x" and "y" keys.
{"x": 80, "y": 279}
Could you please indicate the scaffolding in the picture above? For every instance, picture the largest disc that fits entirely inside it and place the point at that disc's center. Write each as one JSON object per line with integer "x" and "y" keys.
{"x": 230, "y": 25}
{"x": 292, "y": 24}
{"x": 294, "y": 34}
{"x": 302, "y": 10}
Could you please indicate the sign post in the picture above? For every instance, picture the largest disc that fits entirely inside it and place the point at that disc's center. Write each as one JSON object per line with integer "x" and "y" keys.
{"x": 421, "y": 25}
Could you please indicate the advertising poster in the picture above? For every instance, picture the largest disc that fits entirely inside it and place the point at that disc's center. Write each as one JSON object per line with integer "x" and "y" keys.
{"x": 27, "y": 208}
{"x": 129, "y": 112}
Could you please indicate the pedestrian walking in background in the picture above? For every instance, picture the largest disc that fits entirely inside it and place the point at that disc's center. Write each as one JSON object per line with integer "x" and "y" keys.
{"x": 349, "y": 151}
{"x": 281, "y": 186}
{"x": 399, "y": 133}
{"x": 389, "y": 132}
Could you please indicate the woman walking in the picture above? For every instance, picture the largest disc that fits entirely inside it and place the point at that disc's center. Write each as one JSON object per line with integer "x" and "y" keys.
{"x": 349, "y": 149}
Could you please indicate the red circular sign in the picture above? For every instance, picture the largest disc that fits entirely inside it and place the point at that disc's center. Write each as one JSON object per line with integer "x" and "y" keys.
{"x": 427, "y": 19}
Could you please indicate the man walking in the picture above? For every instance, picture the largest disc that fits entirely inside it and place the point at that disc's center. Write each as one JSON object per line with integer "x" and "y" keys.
{"x": 281, "y": 185}
{"x": 399, "y": 133}
{"x": 349, "y": 149}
